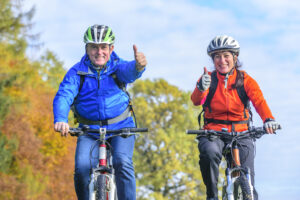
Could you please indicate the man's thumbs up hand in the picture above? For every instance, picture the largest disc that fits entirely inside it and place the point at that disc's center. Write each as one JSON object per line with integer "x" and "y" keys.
{"x": 140, "y": 59}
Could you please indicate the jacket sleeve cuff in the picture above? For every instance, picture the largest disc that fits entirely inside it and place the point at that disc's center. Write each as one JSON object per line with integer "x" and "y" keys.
{"x": 269, "y": 120}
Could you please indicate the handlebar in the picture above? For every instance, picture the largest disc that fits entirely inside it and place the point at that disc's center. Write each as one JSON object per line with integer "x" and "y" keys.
{"x": 255, "y": 132}
{"x": 118, "y": 132}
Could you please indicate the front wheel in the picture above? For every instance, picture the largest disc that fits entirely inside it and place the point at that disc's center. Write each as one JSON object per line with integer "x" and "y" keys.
{"x": 242, "y": 189}
{"x": 101, "y": 187}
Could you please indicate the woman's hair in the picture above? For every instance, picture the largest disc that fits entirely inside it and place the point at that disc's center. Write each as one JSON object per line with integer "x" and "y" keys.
{"x": 239, "y": 77}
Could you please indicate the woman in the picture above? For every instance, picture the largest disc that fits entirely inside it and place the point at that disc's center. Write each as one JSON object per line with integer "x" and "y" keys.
{"x": 226, "y": 109}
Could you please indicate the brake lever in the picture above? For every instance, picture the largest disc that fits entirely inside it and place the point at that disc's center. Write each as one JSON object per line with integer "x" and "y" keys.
{"x": 75, "y": 132}
{"x": 127, "y": 133}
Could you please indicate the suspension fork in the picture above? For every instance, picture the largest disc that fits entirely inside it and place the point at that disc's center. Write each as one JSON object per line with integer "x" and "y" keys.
{"x": 236, "y": 159}
{"x": 237, "y": 163}
{"x": 230, "y": 173}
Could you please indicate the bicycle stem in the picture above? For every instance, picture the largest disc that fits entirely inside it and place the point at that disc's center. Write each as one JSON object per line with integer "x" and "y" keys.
{"x": 102, "y": 133}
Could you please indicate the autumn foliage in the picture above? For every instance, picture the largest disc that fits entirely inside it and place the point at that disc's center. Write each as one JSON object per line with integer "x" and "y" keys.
{"x": 35, "y": 162}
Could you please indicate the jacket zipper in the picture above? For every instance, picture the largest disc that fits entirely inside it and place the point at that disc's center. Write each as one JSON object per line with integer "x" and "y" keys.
{"x": 98, "y": 78}
{"x": 226, "y": 92}
{"x": 226, "y": 80}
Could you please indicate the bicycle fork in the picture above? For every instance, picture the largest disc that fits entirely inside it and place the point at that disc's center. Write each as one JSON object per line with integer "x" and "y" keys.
{"x": 230, "y": 184}
{"x": 232, "y": 174}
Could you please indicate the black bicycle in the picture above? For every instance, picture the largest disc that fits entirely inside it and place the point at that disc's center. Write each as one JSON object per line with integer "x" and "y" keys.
{"x": 102, "y": 184}
{"x": 238, "y": 180}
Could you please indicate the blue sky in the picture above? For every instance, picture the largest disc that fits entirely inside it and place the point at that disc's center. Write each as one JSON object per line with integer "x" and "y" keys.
{"x": 174, "y": 35}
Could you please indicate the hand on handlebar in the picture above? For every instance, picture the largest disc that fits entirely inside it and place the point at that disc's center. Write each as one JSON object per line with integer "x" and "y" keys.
{"x": 271, "y": 126}
{"x": 62, "y": 127}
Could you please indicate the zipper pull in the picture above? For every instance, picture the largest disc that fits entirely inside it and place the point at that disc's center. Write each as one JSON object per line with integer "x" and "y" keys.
{"x": 226, "y": 79}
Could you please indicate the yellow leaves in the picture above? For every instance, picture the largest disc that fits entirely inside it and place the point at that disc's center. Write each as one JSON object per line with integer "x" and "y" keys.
{"x": 34, "y": 181}
{"x": 28, "y": 118}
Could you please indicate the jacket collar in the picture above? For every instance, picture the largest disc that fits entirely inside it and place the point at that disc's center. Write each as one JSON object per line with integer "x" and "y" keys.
{"x": 85, "y": 65}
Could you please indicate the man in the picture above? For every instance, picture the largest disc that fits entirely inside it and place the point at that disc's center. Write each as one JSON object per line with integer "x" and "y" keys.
{"x": 91, "y": 88}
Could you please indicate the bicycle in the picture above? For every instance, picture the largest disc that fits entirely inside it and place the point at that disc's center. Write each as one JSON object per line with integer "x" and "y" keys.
{"x": 238, "y": 180}
{"x": 102, "y": 184}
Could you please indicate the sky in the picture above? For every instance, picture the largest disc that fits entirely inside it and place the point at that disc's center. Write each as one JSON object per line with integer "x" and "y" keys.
{"x": 174, "y": 35}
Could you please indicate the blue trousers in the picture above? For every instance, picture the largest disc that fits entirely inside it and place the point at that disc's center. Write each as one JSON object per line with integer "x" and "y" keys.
{"x": 122, "y": 163}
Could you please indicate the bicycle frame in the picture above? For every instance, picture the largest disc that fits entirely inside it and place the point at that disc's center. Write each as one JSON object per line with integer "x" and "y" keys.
{"x": 105, "y": 188}
{"x": 104, "y": 167}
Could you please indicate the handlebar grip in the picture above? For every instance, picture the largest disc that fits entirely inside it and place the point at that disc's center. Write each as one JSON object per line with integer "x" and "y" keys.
{"x": 195, "y": 131}
{"x": 138, "y": 129}
{"x": 73, "y": 134}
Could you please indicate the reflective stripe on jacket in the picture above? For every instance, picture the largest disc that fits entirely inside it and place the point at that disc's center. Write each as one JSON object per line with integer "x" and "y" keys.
{"x": 226, "y": 104}
{"x": 100, "y": 98}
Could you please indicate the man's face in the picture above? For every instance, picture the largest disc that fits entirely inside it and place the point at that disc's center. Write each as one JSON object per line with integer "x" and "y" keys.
{"x": 99, "y": 54}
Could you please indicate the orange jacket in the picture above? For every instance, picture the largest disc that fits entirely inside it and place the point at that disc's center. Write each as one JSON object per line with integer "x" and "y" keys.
{"x": 226, "y": 104}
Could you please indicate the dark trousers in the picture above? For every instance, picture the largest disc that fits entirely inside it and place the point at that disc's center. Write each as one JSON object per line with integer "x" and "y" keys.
{"x": 211, "y": 156}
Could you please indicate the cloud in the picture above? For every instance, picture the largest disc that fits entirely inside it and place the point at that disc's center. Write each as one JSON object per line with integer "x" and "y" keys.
{"x": 279, "y": 9}
{"x": 175, "y": 39}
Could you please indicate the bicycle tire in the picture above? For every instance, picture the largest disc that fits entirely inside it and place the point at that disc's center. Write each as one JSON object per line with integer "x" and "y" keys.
{"x": 242, "y": 190}
{"x": 101, "y": 193}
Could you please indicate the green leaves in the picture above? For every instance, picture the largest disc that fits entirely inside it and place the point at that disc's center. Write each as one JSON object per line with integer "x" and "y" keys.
{"x": 51, "y": 69}
{"x": 7, "y": 149}
{"x": 166, "y": 159}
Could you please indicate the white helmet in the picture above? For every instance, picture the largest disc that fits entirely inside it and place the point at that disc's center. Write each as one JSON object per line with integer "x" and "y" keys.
{"x": 223, "y": 42}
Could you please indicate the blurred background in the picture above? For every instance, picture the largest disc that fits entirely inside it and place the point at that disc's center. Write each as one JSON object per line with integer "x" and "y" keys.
{"x": 174, "y": 34}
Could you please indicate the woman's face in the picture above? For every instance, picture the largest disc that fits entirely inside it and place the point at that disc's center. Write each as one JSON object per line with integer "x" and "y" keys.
{"x": 224, "y": 61}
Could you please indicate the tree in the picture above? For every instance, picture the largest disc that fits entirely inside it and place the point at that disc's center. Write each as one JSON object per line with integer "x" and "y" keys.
{"x": 51, "y": 69}
{"x": 31, "y": 153}
{"x": 15, "y": 25}
{"x": 166, "y": 159}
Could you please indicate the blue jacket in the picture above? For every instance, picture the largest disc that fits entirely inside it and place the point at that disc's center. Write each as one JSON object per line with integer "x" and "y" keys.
{"x": 100, "y": 98}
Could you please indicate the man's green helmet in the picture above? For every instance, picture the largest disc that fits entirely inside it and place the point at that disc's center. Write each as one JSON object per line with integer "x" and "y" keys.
{"x": 99, "y": 34}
